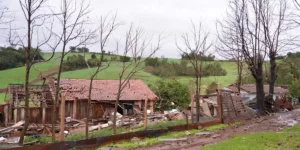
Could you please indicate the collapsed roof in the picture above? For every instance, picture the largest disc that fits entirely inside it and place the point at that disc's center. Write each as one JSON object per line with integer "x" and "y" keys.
{"x": 105, "y": 90}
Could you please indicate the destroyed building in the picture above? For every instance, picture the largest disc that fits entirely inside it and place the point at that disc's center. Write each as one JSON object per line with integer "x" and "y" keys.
{"x": 75, "y": 92}
{"x": 248, "y": 91}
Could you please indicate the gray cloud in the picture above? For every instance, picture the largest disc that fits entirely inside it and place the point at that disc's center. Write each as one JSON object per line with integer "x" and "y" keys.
{"x": 169, "y": 16}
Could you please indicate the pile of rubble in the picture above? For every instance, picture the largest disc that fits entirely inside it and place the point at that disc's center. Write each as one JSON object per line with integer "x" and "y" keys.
{"x": 282, "y": 103}
{"x": 74, "y": 126}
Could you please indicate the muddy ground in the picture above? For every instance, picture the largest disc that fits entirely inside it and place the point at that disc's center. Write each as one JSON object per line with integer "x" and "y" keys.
{"x": 275, "y": 122}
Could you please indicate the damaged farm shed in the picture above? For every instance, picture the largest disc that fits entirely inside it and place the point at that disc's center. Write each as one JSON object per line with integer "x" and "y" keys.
{"x": 75, "y": 92}
{"x": 104, "y": 95}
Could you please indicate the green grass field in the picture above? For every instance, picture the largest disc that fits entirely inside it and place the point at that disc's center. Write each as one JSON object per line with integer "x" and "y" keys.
{"x": 286, "y": 139}
{"x": 17, "y": 75}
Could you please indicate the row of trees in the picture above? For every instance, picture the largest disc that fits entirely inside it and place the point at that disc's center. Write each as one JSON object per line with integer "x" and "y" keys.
{"x": 163, "y": 68}
{"x": 11, "y": 57}
{"x": 74, "y": 49}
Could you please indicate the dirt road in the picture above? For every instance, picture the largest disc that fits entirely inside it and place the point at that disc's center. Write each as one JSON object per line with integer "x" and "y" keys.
{"x": 276, "y": 122}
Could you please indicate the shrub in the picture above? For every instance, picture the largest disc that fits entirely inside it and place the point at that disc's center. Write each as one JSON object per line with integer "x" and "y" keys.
{"x": 149, "y": 69}
{"x": 154, "y": 62}
{"x": 93, "y": 62}
{"x": 93, "y": 56}
{"x": 124, "y": 59}
{"x": 214, "y": 69}
{"x": 114, "y": 58}
{"x": 74, "y": 62}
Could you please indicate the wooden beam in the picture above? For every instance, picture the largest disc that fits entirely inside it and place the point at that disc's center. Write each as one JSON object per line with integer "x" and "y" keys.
{"x": 220, "y": 106}
{"x": 74, "y": 109}
{"x": 62, "y": 118}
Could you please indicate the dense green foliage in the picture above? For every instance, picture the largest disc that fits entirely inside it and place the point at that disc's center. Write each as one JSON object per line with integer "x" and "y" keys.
{"x": 124, "y": 59}
{"x": 93, "y": 56}
{"x": 12, "y": 58}
{"x": 293, "y": 55}
{"x": 74, "y": 62}
{"x": 213, "y": 69}
{"x": 163, "y": 68}
{"x": 194, "y": 55}
{"x": 78, "y": 49}
{"x": 172, "y": 94}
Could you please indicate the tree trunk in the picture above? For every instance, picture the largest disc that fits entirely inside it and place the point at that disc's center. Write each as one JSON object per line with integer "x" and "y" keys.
{"x": 56, "y": 95}
{"x": 115, "y": 111}
{"x": 27, "y": 73}
{"x": 197, "y": 100}
{"x": 239, "y": 80}
{"x": 88, "y": 110}
{"x": 26, "y": 98}
{"x": 272, "y": 76}
{"x": 260, "y": 95}
{"x": 62, "y": 118}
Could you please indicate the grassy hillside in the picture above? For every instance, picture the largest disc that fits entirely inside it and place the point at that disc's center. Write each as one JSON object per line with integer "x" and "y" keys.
{"x": 17, "y": 75}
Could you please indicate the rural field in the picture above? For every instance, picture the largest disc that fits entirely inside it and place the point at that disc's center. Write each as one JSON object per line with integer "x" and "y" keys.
{"x": 17, "y": 75}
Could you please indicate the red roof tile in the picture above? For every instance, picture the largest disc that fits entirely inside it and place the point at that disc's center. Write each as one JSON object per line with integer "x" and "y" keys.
{"x": 105, "y": 90}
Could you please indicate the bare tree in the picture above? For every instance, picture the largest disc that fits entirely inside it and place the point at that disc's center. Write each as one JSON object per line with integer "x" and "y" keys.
{"x": 3, "y": 14}
{"x": 73, "y": 19}
{"x": 229, "y": 42}
{"x": 37, "y": 29}
{"x": 249, "y": 26}
{"x": 106, "y": 27}
{"x": 138, "y": 45}
{"x": 275, "y": 25}
{"x": 196, "y": 45}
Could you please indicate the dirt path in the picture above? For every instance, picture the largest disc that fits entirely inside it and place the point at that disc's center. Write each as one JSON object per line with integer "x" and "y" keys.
{"x": 276, "y": 122}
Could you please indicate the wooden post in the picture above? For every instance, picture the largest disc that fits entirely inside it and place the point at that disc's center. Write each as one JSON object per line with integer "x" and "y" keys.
{"x": 44, "y": 112}
{"x": 62, "y": 119}
{"x": 220, "y": 106}
{"x": 145, "y": 113}
{"x": 74, "y": 109}
{"x": 151, "y": 107}
{"x": 6, "y": 114}
{"x": 16, "y": 105}
{"x": 192, "y": 105}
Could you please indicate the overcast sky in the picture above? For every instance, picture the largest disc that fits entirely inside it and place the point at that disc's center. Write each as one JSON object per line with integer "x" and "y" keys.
{"x": 169, "y": 16}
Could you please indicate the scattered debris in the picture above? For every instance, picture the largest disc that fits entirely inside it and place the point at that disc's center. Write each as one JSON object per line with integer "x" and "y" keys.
{"x": 175, "y": 116}
{"x": 291, "y": 123}
{"x": 203, "y": 133}
{"x": 282, "y": 103}
{"x": 187, "y": 133}
{"x": 2, "y": 140}
{"x": 215, "y": 136}
{"x": 135, "y": 139}
{"x": 142, "y": 143}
